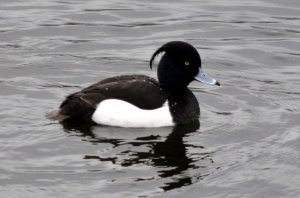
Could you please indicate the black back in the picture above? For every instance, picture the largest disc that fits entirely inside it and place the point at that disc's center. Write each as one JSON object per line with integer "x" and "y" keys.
{"x": 142, "y": 91}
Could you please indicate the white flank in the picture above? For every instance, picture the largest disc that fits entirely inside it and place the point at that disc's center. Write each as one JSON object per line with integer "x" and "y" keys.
{"x": 119, "y": 113}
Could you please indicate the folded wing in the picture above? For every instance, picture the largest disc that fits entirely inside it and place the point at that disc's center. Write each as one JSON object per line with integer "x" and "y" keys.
{"x": 139, "y": 90}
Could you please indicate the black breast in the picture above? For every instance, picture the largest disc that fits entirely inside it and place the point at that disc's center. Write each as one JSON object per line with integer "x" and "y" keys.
{"x": 184, "y": 107}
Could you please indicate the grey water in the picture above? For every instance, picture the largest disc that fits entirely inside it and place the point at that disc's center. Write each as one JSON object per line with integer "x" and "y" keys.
{"x": 246, "y": 143}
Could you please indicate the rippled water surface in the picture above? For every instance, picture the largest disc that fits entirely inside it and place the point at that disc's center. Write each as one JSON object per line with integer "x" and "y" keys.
{"x": 247, "y": 143}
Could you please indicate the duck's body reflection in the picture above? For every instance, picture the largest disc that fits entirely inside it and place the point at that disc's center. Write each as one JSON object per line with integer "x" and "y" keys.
{"x": 166, "y": 148}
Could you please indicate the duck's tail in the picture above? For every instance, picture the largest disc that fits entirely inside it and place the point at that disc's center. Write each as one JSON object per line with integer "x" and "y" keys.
{"x": 57, "y": 115}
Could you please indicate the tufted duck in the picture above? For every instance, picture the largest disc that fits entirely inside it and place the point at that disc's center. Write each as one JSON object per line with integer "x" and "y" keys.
{"x": 142, "y": 101}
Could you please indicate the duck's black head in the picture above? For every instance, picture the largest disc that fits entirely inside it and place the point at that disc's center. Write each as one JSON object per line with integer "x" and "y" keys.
{"x": 180, "y": 65}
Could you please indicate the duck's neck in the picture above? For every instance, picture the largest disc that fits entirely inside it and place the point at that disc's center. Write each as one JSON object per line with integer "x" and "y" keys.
{"x": 184, "y": 106}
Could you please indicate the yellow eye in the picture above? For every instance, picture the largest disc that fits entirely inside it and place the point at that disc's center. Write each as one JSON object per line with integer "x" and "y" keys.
{"x": 187, "y": 63}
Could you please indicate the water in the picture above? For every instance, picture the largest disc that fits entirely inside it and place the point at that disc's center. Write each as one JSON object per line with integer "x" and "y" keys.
{"x": 247, "y": 144}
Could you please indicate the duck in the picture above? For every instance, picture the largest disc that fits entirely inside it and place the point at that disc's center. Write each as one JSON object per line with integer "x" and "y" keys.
{"x": 139, "y": 100}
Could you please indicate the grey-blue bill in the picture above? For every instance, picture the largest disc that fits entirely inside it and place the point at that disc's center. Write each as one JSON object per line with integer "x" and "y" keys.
{"x": 203, "y": 77}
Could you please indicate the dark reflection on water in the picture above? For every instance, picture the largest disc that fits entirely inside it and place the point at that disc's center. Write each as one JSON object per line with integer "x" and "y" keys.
{"x": 170, "y": 153}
